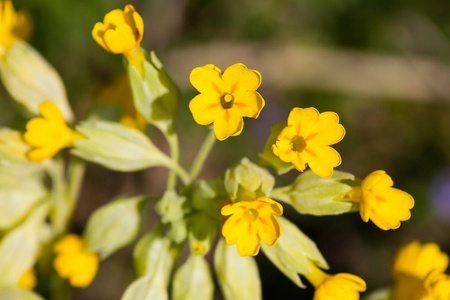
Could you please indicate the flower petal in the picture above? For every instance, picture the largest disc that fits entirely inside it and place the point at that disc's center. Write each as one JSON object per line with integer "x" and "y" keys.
{"x": 249, "y": 104}
{"x": 240, "y": 79}
{"x": 120, "y": 40}
{"x": 207, "y": 79}
{"x": 322, "y": 160}
{"x": 227, "y": 124}
{"x": 114, "y": 18}
{"x": 205, "y": 108}
{"x": 304, "y": 120}
{"x": 50, "y": 111}
{"x": 269, "y": 229}
{"x": 328, "y": 131}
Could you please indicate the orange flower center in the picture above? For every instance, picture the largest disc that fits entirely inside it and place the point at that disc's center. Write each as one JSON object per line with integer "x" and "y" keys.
{"x": 298, "y": 143}
{"x": 227, "y": 101}
{"x": 251, "y": 214}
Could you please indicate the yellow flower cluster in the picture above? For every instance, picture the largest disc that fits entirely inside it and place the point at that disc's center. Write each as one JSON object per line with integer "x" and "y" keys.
{"x": 418, "y": 273}
{"x": 74, "y": 261}
{"x": 307, "y": 138}
{"x": 342, "y": 286}
{"x": 250, "y": 222}
{"x": 48, "y": 134}
{"x": 13, "y": 25}
{"x": 225, "y": 98}
{"x": 380, "y": 202}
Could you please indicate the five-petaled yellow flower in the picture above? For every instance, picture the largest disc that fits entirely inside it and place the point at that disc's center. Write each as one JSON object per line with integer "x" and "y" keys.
{"x": 380, "y": 202}
{"x": 13, "y": 25}
{"x": 225, "y": 98}
{"x": 251, "y": 222}
{"x": 417, "y": 271}
{"x": 74, "y": 261}
{"x": 121, "y": 33}
{"x": 49, "y": 134}
{"x": 307, "y": 138}
{"x": 28, "y": 280}
{"x": 342, "y": 286}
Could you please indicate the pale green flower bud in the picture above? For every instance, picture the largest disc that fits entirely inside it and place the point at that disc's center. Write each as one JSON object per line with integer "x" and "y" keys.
{"x": 16, "y": 294}
{"x": 156, "y": 97}
{"x": 172, "y": 208}
{"x": 20, "y": 247}
{"x": 113, "y": 226}
{"x": 238, "y": 276}
{"x": 247, "y": 181}
{"x": 117, "y": 147}
{"x": 19, "y": 193}
{"x": 290, "y": 255}
{"x": 311, "y": 194}
{"x": 155, "y": 253}
{"x": 13, "y": 149}
{"x": 30, "y": 79}
{"x": 193, "y": 280}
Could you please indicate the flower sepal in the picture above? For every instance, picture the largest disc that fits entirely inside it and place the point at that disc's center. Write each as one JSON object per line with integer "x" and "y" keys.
{"x": 117, "y": 147}
{"x": 247, "y": 181}
{"x": 114, "y": 225}
{"x": 156, "y": 97}
{"x": 30, "y": 80}
{"x": 292, "y": 252}
{"x": 311, "y": 194}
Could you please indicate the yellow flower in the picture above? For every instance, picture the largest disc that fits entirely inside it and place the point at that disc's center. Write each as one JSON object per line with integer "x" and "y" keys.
{"x": 74, "y": 261}
{"x": 12, "y": 25}
{"x": 342, "y": 286}
{"x": 119, "y": 93}
{"x": 417, "y": 271}
{"x": 28, "y": 280}
{"x": 380, "y": 202}
{"x": 225, "y": 98}
{"x": 307, "y": 140}
{"x": 251, "y": 222}
{"x": 49, "y": 134}
{"x": 121, "y": 33}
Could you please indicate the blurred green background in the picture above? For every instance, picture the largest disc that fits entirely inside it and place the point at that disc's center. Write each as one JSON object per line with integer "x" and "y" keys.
{"x": 383, "y": 66}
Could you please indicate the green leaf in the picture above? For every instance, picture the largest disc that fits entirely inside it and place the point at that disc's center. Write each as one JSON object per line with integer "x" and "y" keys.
{"x": 292, "y": 251}
{"x": 114, "y": 225}
{"x": 156, "y": 97}
{"x": 311, "y": 194}
{"x": 267, "y": 158}
{"x": 193, "y": 280}
{"x": 117, "y": 147}
{"x": 247, "y": 178}
{"x": 238, "y": 276}
{"x": 30, "y": 79}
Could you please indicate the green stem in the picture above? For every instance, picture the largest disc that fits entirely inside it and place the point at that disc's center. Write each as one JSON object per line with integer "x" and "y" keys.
{"x": 75, "y": 180}
{"x": 172, "y": 139}
{"x": 56, "y": 172}
{"x": 202, "y": 155}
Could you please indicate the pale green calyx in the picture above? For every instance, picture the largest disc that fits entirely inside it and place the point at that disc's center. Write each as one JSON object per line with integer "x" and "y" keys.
{"x": 290, "y": 255}
{"x": 247, "y": 181}
{"x": 30, "y": 80}
{"x": 156, "y": 97}
{"x": 117, "y": 147}
{"x": 238, "y": 276}
{"x": 311, "y": 194}
{"x": 193, "y": 280}
{"x": 113, "y": 226}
